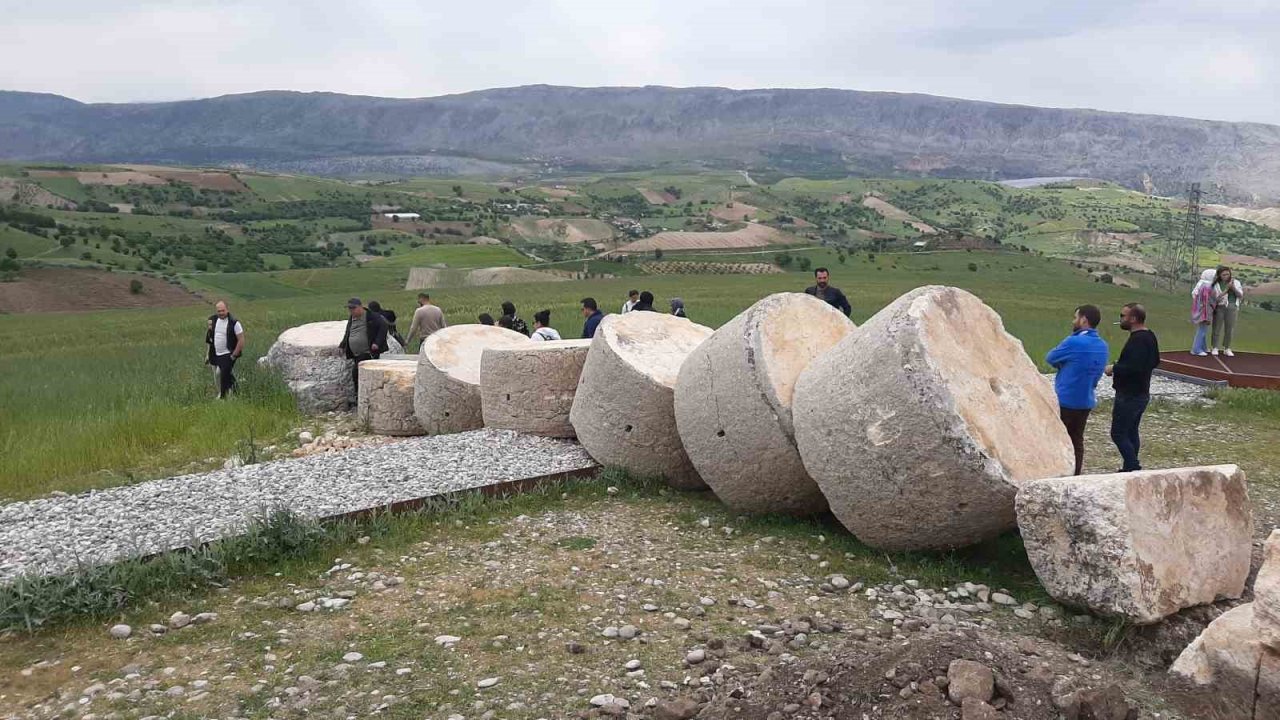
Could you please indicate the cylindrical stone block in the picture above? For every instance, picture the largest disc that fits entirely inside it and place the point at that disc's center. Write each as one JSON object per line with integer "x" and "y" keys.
{"x": 624, "y": 410}
{"x": 315, "y": 368}
{"x": 530, "y": 388}
{"x": 921, "y": 424}
{"x": 446, "y": 397}
{"x": 733, "y": 403}
{"x": 386, "y": 396}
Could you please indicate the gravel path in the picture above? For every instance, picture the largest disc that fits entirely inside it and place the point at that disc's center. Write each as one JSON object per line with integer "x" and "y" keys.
{"x": 56, "y": 535}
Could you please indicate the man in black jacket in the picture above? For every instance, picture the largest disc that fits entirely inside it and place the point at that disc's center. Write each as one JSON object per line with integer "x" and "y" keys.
{"x": 1131, "y": 378}
{"x": 364, "y": 339}
{"x": 832, "y": 296}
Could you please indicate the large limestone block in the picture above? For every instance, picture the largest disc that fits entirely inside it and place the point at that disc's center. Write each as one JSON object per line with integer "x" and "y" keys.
{"x": 1228, "y": 661}
{"x": 386, "y": 396}
{"x": 920, "y": 425}
{"x": 446, "y": 395}
{"x": 624, "y": 411}
{"x": 315, "y": 368}
{"x": 1140, "y": 545}
{"x": 733, "y": 403}
{"x": 1266, "y": 593}
{"x": 530, "y": 388}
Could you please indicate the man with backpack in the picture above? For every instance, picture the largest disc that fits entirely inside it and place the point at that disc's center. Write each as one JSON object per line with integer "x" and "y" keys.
{"x": 225, "y": 338}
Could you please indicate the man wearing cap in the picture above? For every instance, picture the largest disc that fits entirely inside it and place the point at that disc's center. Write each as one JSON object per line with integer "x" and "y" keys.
{"x": 364, "y": 339}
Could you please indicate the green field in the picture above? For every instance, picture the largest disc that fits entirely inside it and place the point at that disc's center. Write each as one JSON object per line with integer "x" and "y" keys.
{"x": 140, "y": 406}
{"x": 283, "y": 188}
{"x": 24, "y": 243}
{"x": 295, "y": 283}
{"x": 454, "y": 256}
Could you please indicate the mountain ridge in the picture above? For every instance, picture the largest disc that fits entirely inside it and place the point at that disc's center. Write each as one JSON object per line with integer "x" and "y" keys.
{"x": 824, "y": 131}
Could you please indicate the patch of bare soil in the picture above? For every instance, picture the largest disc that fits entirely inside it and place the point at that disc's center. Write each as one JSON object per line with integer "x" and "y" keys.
{"x": 752, "y": 236}
{"x": 907, "y": 678}
{"x": 656, "y": 197}
{"x": 111, "y": 177}
{"x": 1230, "y": 259}
{"x": 80, "y": 290}
{"x": 1269, "y": 217}
{"x": 735, "y": 212}
{"x": 892, "y": 212}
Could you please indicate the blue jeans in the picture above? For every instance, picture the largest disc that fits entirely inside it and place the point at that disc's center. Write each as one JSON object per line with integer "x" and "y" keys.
{"x": 1202, "y": 335}
{"x": 1125, "y": 418}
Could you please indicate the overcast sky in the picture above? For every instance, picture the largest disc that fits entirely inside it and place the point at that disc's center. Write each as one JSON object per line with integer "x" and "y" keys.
{"x": 1199, "y": 58}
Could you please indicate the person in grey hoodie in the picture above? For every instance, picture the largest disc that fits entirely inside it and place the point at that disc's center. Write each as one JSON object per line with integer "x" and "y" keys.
{"x": 677, "y": 308}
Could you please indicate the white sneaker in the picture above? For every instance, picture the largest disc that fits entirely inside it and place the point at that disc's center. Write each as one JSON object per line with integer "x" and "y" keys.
{"x": 1213, "y": 351}
{"x": 1201, "y": 354}
{"x": 1228, "y": 353}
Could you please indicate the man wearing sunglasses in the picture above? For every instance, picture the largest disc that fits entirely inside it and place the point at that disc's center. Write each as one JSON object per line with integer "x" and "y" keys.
{"x": 1131, "y": 378}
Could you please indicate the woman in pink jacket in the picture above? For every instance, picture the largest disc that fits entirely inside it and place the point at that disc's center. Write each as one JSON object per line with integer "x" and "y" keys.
{"x": 1204, "y": 298}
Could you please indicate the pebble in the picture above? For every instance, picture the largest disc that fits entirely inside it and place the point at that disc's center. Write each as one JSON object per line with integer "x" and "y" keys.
{"x": 179, "y": 620}
{"x": 447, "y": 640}
{"x": 695, "y": 657}
{"x": 609, "y": 699}
{"x": 352, "y": 657}
{"x": 681, "y": 623}
{"x": 633, "y": 665}
{"x": 1002, "y": 599}
{"x": 487, "y": 683}
{"x": 839, "y": 582}
{"x": 307, "y": 606}
{"x": 627, "y": 632}
{"x": 120, "y": 632}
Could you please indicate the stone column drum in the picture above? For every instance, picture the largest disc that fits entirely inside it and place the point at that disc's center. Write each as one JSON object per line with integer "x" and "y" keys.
{"x": 315, "y": 368}
{"x": 1140, "y": 545}
{"x": 922, "y": 423}
{"x": 530, "y": 388}
{"x": 733, "y": 403}
{"x": 386, "y": 396}
{"x": 446, "y": 395}
{"x": 624, "y": 411}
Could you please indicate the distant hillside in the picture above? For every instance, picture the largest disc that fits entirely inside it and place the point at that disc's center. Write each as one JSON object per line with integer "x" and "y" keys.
{"x": 812, "y": 132}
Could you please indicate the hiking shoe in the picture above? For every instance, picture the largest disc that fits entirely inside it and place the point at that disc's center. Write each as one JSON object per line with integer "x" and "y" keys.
{"x": 1213, "y": 351}
{"x": 1201, "y": 354}
{"x": 1228, "y": 353}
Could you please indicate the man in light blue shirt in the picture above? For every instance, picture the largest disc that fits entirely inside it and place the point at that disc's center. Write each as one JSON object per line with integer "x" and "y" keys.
{"x": 1079, "y": 360}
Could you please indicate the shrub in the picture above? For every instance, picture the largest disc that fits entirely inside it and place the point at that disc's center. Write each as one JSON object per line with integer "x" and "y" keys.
{"x": 973, "y": 267}
{"x": 135, "y": 286}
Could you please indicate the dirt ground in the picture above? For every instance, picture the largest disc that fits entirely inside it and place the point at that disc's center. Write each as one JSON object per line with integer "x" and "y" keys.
{"x": 735, "y": 213}
{"x": 78, "y": 290}
{"x": 31, "y": 194}
{"x": 893, "y": 212}
{"x": 751, "y": 236}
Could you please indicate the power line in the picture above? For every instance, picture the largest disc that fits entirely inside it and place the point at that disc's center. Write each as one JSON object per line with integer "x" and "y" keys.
{"x": 1181, "y": 250}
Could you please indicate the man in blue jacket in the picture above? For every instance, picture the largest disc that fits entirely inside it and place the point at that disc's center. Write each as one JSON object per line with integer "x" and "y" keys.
{"x": 1079, "y": 360}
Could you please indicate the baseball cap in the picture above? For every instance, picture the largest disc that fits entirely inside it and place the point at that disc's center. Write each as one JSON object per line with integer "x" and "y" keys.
{"x": 354, "y": 303}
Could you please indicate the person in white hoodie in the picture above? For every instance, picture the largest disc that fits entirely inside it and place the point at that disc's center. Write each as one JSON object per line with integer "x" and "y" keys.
{"x": 1203, "y": 301}
{"x": 1229, "y": 293}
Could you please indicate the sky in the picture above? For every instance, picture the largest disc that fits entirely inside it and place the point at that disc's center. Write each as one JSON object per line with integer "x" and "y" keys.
{"x": 1195, "y": 58}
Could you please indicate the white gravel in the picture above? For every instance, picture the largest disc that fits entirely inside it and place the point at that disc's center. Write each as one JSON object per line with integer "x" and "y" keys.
{"x": 1160, "y": 387}
{"x": 56, "y": 535}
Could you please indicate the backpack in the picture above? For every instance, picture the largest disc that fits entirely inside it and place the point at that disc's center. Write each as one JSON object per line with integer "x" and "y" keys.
{"x": 519, "y": 325}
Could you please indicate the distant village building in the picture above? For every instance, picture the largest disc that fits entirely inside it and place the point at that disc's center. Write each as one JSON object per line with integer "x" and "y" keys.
{"x": 920, "y": 244}
{"x": 401, "y": 216}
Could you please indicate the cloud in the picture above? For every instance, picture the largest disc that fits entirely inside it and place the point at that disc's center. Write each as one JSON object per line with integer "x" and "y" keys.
{"x": 1199, "y": 58}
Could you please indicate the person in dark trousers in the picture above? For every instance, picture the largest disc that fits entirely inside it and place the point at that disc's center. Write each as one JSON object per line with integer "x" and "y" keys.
{"x": 390, "y": 316}
{"x": 1080, "y": 360}
{"x": 225, "y": 338}
{"x": 592, "y": 313}
{"x": 1131, "y": 378}
{"x": 823, "y": 291}
{"x": 510, "y": 320}
{"x": 364, "y": 339}
{"x": 645, "y": 303}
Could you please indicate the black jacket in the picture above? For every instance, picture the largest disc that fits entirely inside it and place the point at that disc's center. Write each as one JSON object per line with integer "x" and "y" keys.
{"x": 377, "y": 335}
{"x": 832, "y": 296}
{"x": 231, "y": 336}
{"x": 1131, "y": 375}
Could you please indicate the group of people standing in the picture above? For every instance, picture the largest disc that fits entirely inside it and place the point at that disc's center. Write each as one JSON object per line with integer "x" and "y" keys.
{"x": 1081, "y": 361}
{"x": 1215, "y": 303}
